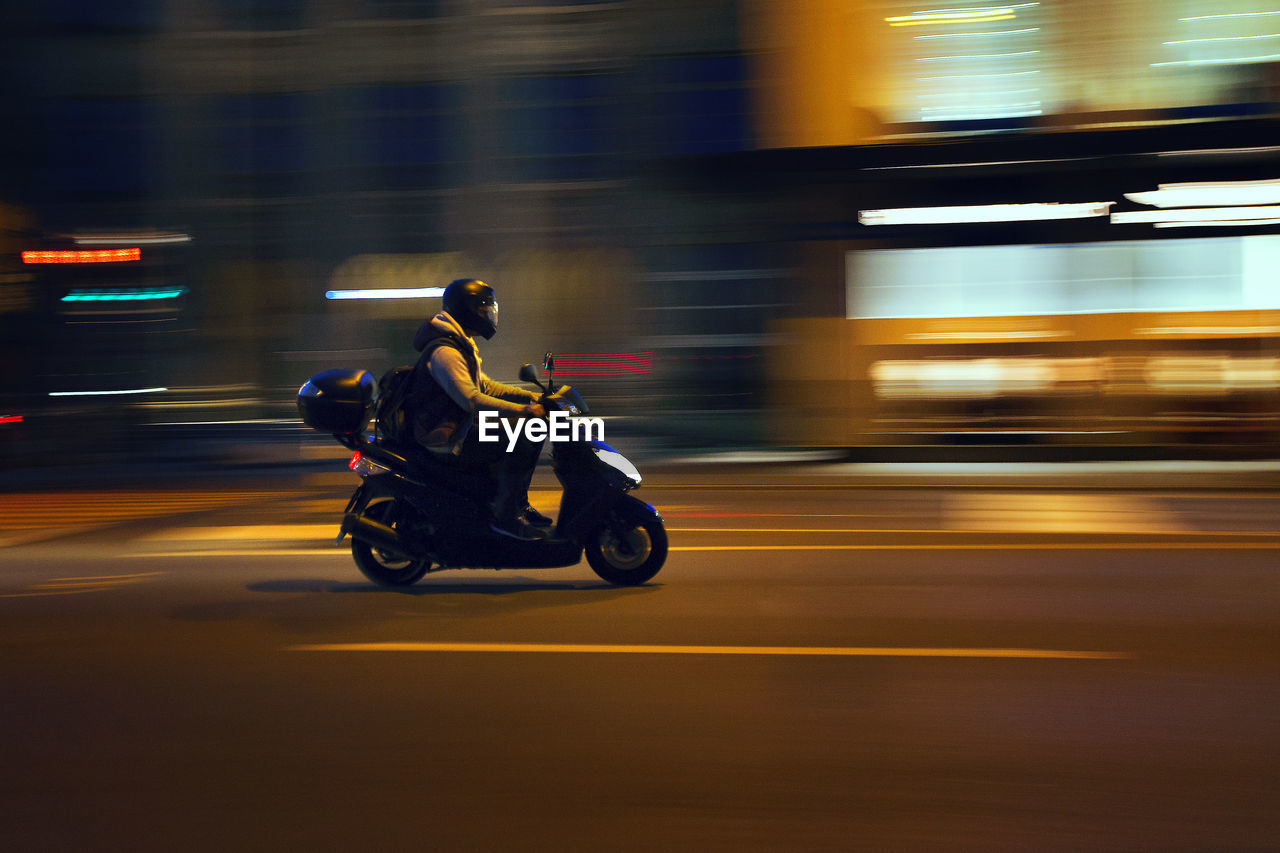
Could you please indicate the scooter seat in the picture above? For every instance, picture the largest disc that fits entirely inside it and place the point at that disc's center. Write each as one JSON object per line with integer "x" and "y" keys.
{"x": 401, "y": 456}
{"x": 436, "y": 468}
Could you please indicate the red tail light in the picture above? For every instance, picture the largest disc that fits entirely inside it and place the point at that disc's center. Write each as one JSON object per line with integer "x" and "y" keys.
{"x": 355, "y": 461}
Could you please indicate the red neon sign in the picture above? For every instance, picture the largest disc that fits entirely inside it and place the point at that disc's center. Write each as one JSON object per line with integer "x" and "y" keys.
{"x": 604, "y": 364}
{"x": 82, "y": 256}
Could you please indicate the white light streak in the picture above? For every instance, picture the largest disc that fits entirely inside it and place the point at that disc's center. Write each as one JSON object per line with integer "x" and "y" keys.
{"x": 918, "y": 20}
{"x": 983, "y": 213}
{"x": 1209, "y": 223}
{"x": 1199, "y": 214}
{"x": 1198, "y": 152}
{"x": 964, "y": 56}
{"x": 281, "y": 421}
{"x": 979, "y": 35}
{"x": 131, "y": 239}
{"x": 1230, "y": 15}
{"x": 1238, "y": 60}
{"x": 1225, "y": 38}
{"x": 1210, "y": 194}
{"x": 976, "y": 164}
{"x": 983, "y": 108}
{"x": 978, "y": 76}
{"x": 979, "y": 10}
{"x": 979, "y": 115}
{"x": 1003, "y": 93}
{"x": 387, "y": 293}
{"x": 105, "y": 393}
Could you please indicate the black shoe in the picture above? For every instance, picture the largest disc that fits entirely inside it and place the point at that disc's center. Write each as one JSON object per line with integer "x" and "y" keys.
{"x": 537, "y": 519}
{"x": 516, "y": 528}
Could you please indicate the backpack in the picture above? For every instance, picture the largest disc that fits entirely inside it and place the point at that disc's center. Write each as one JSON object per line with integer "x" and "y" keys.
{"x": 395, "y": 422}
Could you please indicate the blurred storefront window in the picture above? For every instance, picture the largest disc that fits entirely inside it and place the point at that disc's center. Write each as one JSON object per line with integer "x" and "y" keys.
{"x": 262, "y": 143}
{"x": 96, "y": 16}
{"x": 409, "y": 137}
{"x": 700, "y": 104}
{"x": 100, "y": 145}
{"x": 987, "y": 66}
{"x": 559, "y": 127}
{"x": 263, "y": 14}
{"x": 1201, "y": 274}
{"x": 404, "y": 9}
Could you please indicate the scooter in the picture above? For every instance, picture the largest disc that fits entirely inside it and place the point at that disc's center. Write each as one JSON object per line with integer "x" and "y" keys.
{"x": 412, "y": 515}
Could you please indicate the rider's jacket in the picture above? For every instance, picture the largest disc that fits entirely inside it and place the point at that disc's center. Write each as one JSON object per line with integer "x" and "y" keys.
{"x": 449, "y": 386}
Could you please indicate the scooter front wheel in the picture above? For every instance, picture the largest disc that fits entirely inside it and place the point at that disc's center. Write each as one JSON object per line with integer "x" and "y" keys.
{"x": 383, "y": 568}
{"x": 630, "y": 545}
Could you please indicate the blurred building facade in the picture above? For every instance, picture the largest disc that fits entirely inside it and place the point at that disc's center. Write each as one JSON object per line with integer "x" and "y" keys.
{"x": 941, "y": 307}
{"x": 681, "y": 179}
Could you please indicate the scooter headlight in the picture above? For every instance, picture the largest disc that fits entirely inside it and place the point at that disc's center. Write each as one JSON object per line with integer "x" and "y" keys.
{"x": 619, "y": 463}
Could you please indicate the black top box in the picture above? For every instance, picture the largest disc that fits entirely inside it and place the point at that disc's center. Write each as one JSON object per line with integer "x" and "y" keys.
{"x": 338, "y": 401}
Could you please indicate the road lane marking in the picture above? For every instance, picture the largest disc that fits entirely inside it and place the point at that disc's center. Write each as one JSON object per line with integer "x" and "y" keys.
{"x": 276, "y": 532}
{"x": 103, "y": 584}
{"x": 1060, "y": 513}
{"x": 78, "y": 585}
{"x": 974, "y": 530}
{"x": 77, "y": 591}
{"x": 999, "y": 546}
{"x": 112, "y": 577}
{"x": 667, "y": 511}
{"x": 341, "y": 551}
{"x": 1008, "y": 484}
{"x": 336, "y": 551}
{"x": 31, "y": 514}
{"x": 790, "y": 651}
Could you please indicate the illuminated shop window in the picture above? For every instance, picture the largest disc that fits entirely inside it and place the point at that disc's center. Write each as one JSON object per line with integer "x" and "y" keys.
{"x": 1202, "y": 274}
{"x": 1005, "y": 65}
{"x": 968, "y": 61}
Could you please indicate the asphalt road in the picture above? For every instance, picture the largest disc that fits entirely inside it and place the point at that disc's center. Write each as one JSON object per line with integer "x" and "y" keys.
{"x": 817, "y": 667}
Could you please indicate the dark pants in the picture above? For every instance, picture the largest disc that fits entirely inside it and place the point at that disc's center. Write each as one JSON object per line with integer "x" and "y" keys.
{"x": 512, "y": 472}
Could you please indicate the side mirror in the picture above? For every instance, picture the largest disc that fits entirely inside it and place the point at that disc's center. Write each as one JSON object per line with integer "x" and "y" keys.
{"x": 549, "y": 362}
{"x": 528, "y": 374}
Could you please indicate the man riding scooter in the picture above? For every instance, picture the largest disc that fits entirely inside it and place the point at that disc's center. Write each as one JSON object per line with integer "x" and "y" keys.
{"x": 448, "y": 389}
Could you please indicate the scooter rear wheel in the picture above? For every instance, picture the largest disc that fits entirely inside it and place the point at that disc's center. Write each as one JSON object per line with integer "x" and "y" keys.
{"x": 630, "y": 546}
{"x": 383, "y": 568}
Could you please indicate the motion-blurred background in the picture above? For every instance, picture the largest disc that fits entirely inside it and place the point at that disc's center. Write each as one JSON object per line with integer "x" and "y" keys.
{"x": 722, "y": 215}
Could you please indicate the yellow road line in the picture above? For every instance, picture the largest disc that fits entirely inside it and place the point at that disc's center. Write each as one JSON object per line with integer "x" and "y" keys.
{"x": 1000, "y": 546}
{"x": 73, "y": 586}
{"x": 112, "y": 577}
{"x": 791, "y": 651}
{"x": 726, "y": 514}
{"x": 87, "y": 584}
{"x": 76, "y": 591}
{"x": 926, "y": 485}
{"x": 344, "y": 551}
{"x": 327, "y": 530}
{"x": 336, "y": 551}
{"x": 958, "y": 531}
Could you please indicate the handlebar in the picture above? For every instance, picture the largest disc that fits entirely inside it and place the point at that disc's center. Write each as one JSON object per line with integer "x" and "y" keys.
{"x": 566, "y": 399}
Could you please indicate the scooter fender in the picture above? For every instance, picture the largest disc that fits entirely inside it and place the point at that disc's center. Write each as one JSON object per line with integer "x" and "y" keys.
{"x": 591, "y": 513}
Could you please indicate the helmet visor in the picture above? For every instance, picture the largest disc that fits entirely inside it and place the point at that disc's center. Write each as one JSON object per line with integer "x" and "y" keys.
{"x": 488, "y": 310}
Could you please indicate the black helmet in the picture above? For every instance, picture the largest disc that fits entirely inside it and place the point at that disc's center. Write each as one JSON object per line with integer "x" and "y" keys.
{"x": 473, "y": 304}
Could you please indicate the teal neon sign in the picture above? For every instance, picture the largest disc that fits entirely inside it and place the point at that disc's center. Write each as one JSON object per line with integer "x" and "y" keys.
{"x": 129, "y": 295}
